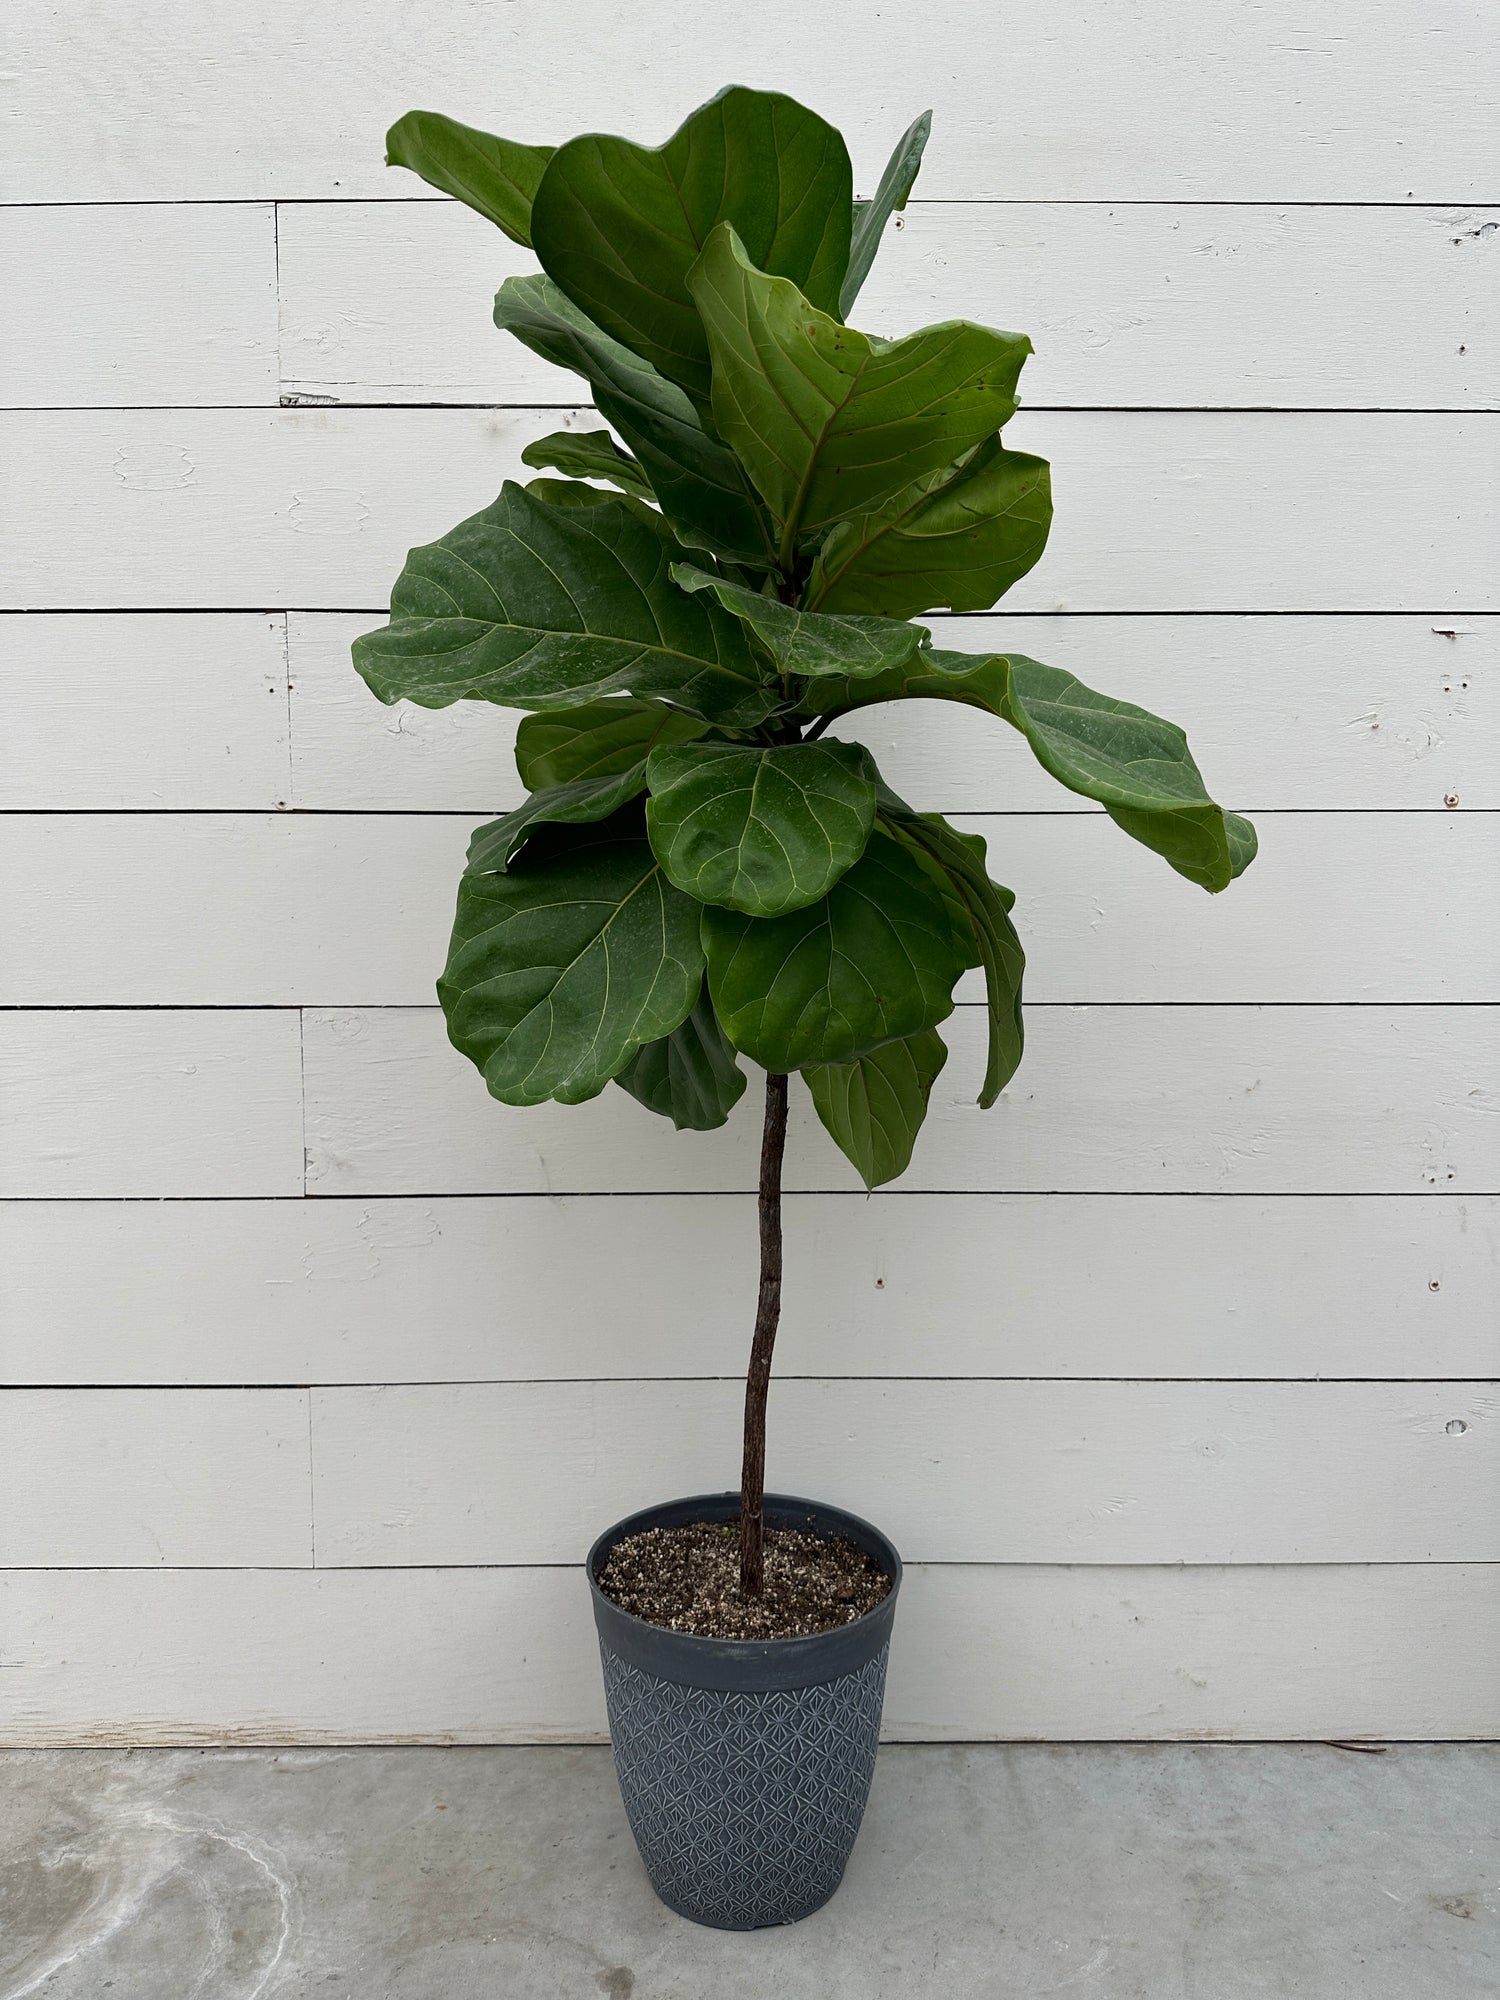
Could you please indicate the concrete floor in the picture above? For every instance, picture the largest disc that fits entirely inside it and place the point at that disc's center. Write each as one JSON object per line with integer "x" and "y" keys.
{"x": 1126, "y": 1873}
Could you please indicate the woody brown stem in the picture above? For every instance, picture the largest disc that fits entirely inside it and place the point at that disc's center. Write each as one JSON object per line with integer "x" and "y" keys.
{"x": 767, "y": 1317}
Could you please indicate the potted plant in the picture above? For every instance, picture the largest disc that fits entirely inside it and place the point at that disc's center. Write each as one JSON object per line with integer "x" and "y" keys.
{"x": 700, "y": 872}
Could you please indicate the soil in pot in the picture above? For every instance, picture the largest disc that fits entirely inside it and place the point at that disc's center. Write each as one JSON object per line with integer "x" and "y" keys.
{"x": 688, "y": 1579}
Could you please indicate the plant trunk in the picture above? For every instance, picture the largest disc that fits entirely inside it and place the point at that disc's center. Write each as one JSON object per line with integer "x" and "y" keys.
{"x": 767, "y": 1317}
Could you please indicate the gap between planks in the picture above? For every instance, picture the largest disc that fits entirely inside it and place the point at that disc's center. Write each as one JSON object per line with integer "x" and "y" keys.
{"x": 941, "y": 617}
{"x": 794, "y": 1194}
{"x": 340, "y": 403}
{"x": 573, "y": 1381}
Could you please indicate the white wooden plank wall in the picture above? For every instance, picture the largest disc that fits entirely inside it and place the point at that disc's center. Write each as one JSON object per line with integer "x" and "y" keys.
{"x": 1175, "y": 1374}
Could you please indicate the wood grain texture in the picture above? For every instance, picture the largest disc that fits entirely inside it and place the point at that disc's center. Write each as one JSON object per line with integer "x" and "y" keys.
{"x": 1004, "y": 1472}
{"x": 279, "y": 909}
{"x": 165, "y": 1103}
{"x": 1283, "y": 712}
{"x": 171, "y": 712}
{"x": 1243, "y": 1100}
{"x": 1182, "y": 510}
{"x": 1127, "y": 306}
{"x": 508, "y": 1656}
{"x": 136, "y": 304}
{"x": 1222, "y": 102}
{"x": 133, "y": 1478}
{"x": 901, "y": 1284}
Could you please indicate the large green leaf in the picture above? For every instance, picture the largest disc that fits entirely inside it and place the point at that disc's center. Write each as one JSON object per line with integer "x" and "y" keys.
{"x": 618, "y": 225}
{"x": 699, "y": 483}
{"x": 829, "y": 422}
{"x": 759, "y": 830}
{"x": 870, "y": 217}
{"x": 987, "y": 906}
{"x": 576, "y": 804}
{"x": 874, "y": 1106}
{"x": 956, "y": 539}
{"x": 561, "y": 969}
{"x": 497, "y": 177}
{"x": 540, "y": 607}
{"x": 810, "y": 642}
{"x": 875, "y": 960}
{"x": 1136, "y": 765}
{"x": 597, "y": 739}
{"x": 690, "y": 1076}
{"x": 980, "y": 680}
{"x": 590, "y": 455}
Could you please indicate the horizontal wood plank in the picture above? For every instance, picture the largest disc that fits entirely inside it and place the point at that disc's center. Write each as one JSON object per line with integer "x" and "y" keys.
{"x": 1159, "y": 103}
{"x": 1127, "y": 306}
{"x": 1241, "y": 1100}
{"x": 1181, "y": 510}
{"x": 278, "y": 909}
{"x": 508, "y": 1656}
{"x": 172, "y": 304}
{"x": 351, "y": 752}
{"x": 1283, "y": 712}
{"x": 136, "y": 1478}
{"x": 143, "y": 711}
{"x": 1014, "y": 1472}
{"x": 162, "y": 1103}
{"x": 906, "y": 1285}
{"x": 240, "y": 509}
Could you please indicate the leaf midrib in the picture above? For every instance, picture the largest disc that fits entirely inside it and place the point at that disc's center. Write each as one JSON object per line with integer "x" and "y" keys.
{"x": 653, "y": 874}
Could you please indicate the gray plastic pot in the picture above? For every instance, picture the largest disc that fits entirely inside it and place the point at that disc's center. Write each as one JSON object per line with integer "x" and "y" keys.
{"x": 745, "y": 1764}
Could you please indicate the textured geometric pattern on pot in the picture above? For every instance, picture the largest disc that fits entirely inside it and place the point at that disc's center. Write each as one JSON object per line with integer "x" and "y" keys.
{"x": 744, "y": 1806}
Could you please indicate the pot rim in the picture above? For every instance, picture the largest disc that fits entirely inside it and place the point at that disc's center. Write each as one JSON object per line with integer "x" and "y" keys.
{"x": 747, "y": 1651}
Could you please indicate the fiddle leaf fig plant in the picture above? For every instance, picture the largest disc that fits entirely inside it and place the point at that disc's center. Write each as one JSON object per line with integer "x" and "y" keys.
{"x": 686, "y": 601}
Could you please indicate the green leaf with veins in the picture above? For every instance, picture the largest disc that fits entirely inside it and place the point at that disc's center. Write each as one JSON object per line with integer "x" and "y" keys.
{"x": 810, "y": 642}
{"x": 1137, "y": 766}
{"x": 597, "y": 739}
{"x": 690, "y": 1076}
{"x": 829, "y": 422}
{"x": 575, "y": 493}
{"x": 987, "y": 906}
{"x": 870, "y": 217}
{"x": 590, "y": 455}
{"x": 873, "y": 1107}
{"x": 497, "y": 177}
{"x": 618, "y": 226}
{"x": 538, "y": 606}
{"x": 980, "y": 680}
{"x": 561, "y": 969}
{"x": 759, "y": 830}
{"x": 700, "y": 485}
{"x": 873, "y": 961}
{"x": 955, "y": 539}
{"x": 585, "y": 799}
